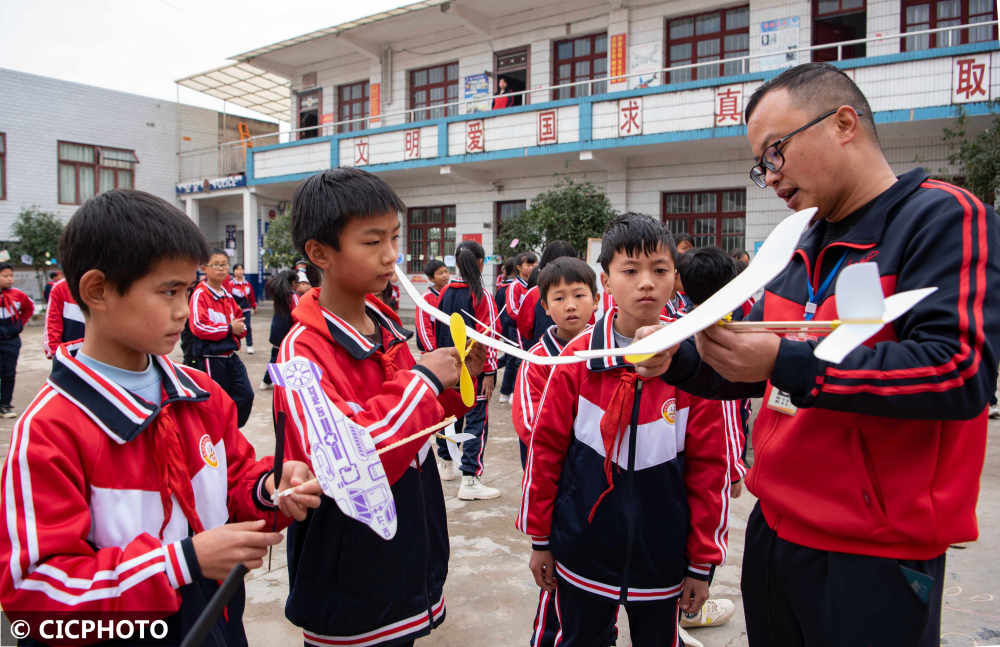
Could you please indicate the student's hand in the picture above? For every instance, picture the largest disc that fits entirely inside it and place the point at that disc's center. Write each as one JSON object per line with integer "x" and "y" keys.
{"x": 475, "y": 360}
{"x": 220, "y": 549}
{"x": 658, "y": 364}
{"x": 693, "y": 595}
{"x": 489, "y": 382}
{"x": 296, "y": 504}
{"x": 239, "y": 326}
{"x": 543, "y": 567}
{"x": 443, "y": 363}
{"x": 739, "y": 357}
{"x": 736, "y": 490}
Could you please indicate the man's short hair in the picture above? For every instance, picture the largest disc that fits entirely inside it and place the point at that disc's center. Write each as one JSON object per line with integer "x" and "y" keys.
{"x": 820, "y": 86}
{"x": 634, "y": 234}
{"x": 704, "y": 271}
{"x": 325, "y": 202}
{"x": 565, "y": 269}
{"x": 123, "y": 233}
{"x": 432, "y": 266}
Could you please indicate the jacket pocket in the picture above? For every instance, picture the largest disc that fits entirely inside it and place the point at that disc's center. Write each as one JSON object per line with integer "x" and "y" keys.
{"x": 872, "y": 495}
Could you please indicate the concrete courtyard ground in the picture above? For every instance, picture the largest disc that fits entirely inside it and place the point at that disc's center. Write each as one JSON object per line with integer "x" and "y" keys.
{"x": 490, "y": 594}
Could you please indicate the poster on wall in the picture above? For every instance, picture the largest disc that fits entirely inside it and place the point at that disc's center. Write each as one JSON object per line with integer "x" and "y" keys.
{"x": 644, "y": 61}
{"x": 477, "y": 92}
{"x": 780, "y": 38}
{"x": 230, "y": 236}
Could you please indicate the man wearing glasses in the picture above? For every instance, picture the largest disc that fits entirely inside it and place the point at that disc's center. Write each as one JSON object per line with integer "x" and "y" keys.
{"x": 868, "y": 470}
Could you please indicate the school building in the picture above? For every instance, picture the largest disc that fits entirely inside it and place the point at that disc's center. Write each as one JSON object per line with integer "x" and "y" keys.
{"x": 62, "y": 143}
{"x": 643, "y": 99}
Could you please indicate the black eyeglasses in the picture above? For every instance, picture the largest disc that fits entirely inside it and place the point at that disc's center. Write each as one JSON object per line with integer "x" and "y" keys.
{"x": 772, "y": 159}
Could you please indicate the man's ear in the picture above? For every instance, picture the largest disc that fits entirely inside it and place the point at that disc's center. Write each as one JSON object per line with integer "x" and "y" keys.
{"x": 848, "y": 123}
{"x": 319, "y": 254}
{"x": 94, "y": 287}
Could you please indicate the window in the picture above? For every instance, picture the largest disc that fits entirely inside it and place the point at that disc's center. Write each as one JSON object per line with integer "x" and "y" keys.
{"x": 86, "y": 170}
{"x": 352, "y": 103}
{"x": 712, "y": 218}
{"x": 310, "y": 106}
{"x": 430, "y": 233}
{"x": 918, "y": 15}
{"x": 713, "y": 36}
{"x": 835, "y": 21}
{"x": 433, "y": 86}
{"x": 3, "y": 166}
{"x": 581, "y": 59}
{"x": 505, "y": 211}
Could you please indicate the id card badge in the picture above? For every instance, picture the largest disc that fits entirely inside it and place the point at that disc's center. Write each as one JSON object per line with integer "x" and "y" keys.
{"x": 781, "y": 402}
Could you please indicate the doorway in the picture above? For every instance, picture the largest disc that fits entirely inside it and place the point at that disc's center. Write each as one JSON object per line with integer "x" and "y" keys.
{"x": 310, "y": 104}
{"x": 512, "y": 66}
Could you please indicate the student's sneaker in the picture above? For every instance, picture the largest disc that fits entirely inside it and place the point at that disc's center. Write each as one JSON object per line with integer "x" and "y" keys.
{"x": 249, "y": 350}
{"x": 686, "y": 638}
{"x": 8, "y": 412}
{"x": 504, "y": 398}
{"x": 472, "y": 488}
{"x": 994, "y": 411}
{"x": 448, "y": 470}
{"x": 265, "y": 386}
{"x": 714, "y": 612}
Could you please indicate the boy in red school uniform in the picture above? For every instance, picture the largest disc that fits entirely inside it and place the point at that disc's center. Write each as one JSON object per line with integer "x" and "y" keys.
{"x": 217, "y": 325}
{"x": 128, "y": 487}
{"x": 63, "y": 319}
{"x": 243, "y": 292}
{"x": 516, "y": 290}
{"x": 437, "y": 273}
{"x": 348, "y": 586}
{"x": 15, "y": 311}
{"x": 627, "y": 486}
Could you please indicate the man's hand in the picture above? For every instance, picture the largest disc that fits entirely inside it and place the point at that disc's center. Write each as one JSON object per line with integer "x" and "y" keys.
{"x": 738, "y": 357}
{"x": 657, "y": 364}
{"x": 443, "y": 363}
{"x": 220, "y": 549}
{"x": 238, "y": 325}
{"x": 489, "y": 382}
{"x": 476, "y": 358}
{"x": 543, "y": 567}
{"x": 296, "y": 503}
{"x": 693, "y": 595}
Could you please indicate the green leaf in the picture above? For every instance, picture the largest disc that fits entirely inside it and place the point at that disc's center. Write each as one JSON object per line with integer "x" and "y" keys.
{"x": 36, "y": 234}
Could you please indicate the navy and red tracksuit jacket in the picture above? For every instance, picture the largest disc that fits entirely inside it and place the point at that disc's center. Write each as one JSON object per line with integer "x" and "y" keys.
{"x": 456, "y": 297}
{"x": 424, "y": 324}
{"x": 530, "y": 384}
{"x": 346, "y": 585}
{"x": 242, "y": 292}
{"x": 16, "y": 309}
{"x": 103, "y": 491}
{"x": 63, "y": 319}
{"x": 532, "y": 320}
{"x": 211, "y": 315}
{"x": 845, "y": 473}
{"x": 665, "y": 451}
{"x": 516, "y": 290}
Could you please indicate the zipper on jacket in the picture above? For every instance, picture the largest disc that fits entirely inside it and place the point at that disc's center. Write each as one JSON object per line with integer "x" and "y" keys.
{"x": 629, "y": 479}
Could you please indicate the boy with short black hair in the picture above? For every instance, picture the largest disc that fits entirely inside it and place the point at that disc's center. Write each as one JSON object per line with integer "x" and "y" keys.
{"x": 126, "y": 467}
{"x": 438, "y": 275}
{"x": 15, "y": 311}
{"x": 627, "y": 483}
{"x": 217, "y": 325}
{"x": 346, "y": 585}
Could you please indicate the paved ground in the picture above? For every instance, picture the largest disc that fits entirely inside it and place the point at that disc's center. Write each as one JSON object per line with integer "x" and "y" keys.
{"x": 490, "y": 594}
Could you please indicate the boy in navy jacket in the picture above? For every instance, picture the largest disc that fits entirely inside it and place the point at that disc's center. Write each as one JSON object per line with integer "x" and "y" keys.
{"x": 15, "y": 311}
{"x": 627, "y": 487}
{"x": 128, "y": 487}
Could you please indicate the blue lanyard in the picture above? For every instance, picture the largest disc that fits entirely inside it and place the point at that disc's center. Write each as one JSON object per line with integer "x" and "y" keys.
{"x": 814, "y": 299}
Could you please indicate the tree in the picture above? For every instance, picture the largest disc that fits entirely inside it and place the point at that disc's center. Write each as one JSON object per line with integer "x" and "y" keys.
{"x": 37, "y": 233}
{"x": 279, "y": 251}
{"x": 976, "y": 157}
{"x": 570, "y": 211}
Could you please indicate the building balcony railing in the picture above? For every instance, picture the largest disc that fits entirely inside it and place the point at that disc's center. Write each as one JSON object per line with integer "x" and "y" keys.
{"x": 629, "y": 113}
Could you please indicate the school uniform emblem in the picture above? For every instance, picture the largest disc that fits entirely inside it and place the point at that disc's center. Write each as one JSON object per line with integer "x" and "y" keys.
{"x": 669, "y": 410}
{"x": 208, "y": 451}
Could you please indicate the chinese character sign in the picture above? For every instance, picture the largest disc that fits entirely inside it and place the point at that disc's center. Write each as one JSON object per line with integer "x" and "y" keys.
{"x": 547, "y": 133}
{"x": 729, "y": 105}
{"x": 630, "y": 117}
{"x": 475, "y": 139}
{"x": 617, "y": 63}
{"x": 411, "y": 145}
{"x": 970, "y": 78}
{"x": 361, "y": 152}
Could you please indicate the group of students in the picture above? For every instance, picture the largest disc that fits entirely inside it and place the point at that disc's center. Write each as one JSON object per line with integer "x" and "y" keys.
{"x": 128, "y": 487}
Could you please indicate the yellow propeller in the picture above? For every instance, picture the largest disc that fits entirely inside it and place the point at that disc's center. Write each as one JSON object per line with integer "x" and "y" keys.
{"x": 465, "y": 385}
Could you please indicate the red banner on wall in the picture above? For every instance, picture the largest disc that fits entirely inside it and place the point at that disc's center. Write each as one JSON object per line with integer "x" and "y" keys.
{"x": 375, "y": 103}
{"x": 617, "y": 54}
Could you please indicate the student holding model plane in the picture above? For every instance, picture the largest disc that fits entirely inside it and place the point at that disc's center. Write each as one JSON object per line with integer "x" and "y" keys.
{"x": 867, "y": 466}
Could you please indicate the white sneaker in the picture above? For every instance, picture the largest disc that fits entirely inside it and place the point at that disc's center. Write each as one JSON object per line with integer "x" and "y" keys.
{"x": 265, "y": 386}
{"x": 504, "y": 398}
{"x": 994, "y": 411}
{"x": 714, "y": 612}
{"x": 472, "y": 488}
{"x": 249, "y": 350}
{"x": 686, "y": 638}
{"x": 448, "y": 470}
